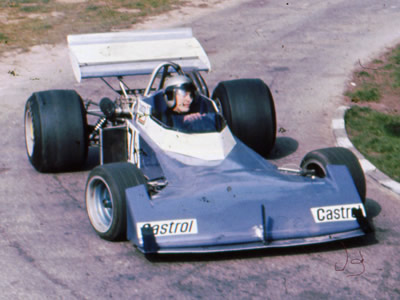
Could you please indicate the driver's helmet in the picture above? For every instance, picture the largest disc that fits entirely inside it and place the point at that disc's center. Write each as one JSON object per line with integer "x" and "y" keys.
{"x": 178, "y": 84}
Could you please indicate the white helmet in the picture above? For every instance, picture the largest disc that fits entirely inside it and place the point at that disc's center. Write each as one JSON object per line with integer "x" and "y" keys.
{"x": 176, "y": 83}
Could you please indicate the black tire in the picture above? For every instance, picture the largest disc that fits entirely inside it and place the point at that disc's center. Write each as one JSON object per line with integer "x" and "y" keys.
{"x": 249, "y": 110}
{"x": 56, "y": 131}
{"x": 317, "y": 160}
{"x": 106, "y": 200}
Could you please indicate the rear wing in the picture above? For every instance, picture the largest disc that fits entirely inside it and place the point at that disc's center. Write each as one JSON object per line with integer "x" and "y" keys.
{"x": 134, "y": 52}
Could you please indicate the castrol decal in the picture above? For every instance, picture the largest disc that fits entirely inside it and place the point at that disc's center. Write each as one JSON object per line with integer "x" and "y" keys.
{"x": 169, "y": 227}
{"x": 335, "y": 213}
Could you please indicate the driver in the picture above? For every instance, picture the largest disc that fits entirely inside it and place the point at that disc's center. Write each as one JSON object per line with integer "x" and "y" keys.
{"x": 180, "y": 92}
{"x": 185, "y": 108}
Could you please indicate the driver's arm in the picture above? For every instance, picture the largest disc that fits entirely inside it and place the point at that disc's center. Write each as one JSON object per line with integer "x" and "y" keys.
{"x": 192, "y": 117}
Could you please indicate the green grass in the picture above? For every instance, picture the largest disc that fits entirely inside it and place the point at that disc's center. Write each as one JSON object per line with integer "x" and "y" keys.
{"x": 33, "y": 9}
{"x": 364, "y": 74}
{"x": 3, "y": 38}
{"x": 377, "y": 136}
{"x": 33, "y": 22}
{"x": 395, "y": 56}
{"x": 367, "y": 92}
{"x": 395, "y": 60}
{"x": 396, "y": 78}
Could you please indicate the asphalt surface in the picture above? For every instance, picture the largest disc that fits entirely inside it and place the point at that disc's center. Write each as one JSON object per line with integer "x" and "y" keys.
{"x": 305, "y": 52}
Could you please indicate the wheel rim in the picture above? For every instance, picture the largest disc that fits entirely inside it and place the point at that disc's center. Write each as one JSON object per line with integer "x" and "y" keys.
{"x": 29, "y": 131}
{"x": 99, "y": 203}
{"x": 219, "y": 105}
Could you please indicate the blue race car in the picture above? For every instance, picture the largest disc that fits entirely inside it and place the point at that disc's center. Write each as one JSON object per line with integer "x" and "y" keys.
{"x": 172, "y": 185}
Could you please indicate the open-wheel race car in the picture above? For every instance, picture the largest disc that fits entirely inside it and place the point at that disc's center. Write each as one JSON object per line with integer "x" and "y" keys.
{"x": 202, "y": 185}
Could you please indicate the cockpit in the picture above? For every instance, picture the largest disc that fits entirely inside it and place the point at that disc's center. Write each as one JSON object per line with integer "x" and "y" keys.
{"x": 209, "y": 119}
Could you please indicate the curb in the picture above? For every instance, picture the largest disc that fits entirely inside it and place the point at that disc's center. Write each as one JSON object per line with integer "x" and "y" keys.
{"x": 339, "y": 131}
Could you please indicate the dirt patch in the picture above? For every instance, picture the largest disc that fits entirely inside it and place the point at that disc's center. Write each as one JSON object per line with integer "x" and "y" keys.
{"x": 25, "y": 67}
{"x": 378, "y": 73}
{"x": 28, "y": 23}
{"x": 128, "y": 11}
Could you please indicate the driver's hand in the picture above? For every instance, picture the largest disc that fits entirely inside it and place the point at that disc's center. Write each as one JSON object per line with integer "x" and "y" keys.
{"x": 193, "y": 117}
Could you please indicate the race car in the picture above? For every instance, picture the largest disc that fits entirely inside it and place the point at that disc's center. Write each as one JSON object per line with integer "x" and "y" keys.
{"x": 170, "y": 189}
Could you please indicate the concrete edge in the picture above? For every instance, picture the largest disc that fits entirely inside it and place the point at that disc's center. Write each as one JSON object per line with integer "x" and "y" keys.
{"x": 342, "y": 140}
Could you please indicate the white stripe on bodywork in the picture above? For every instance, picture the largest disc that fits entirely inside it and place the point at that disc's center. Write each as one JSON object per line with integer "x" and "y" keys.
{"x": 206, "y": 146}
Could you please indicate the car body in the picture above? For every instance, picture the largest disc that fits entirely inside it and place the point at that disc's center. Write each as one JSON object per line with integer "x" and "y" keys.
{"x": 173, "y": 191}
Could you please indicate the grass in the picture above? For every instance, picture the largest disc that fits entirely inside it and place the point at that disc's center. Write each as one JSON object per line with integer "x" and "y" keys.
{"x": 3, "y": 38}
{"x": 373, "y": 122}
{"x": 377, "y": 136}
{"x": 367, "y": 92}
{"x": 25, "y": 23}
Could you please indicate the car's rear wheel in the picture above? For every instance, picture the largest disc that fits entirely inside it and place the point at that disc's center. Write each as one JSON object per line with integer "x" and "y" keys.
{"x": 56, "y": 130}
{"x": 317, "y": 160}
{"x": 106, "y": 200}
{"x": 249, "y": 110}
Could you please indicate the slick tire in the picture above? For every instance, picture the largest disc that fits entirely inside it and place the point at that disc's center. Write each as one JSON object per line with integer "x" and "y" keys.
{"x": 249, "y": 110}
{"x": 56, "y": 131}
{"x": 106, "y": 200}
{"x": 317, "y": 160}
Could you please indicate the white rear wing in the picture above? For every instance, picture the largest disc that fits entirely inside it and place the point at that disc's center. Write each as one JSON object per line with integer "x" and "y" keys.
{"x": 134, "y": 52}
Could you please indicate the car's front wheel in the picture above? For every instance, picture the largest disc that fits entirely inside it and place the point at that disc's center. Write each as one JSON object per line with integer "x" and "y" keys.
{"x": 317, "y": 161}
{"x": 106, "y": 200}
